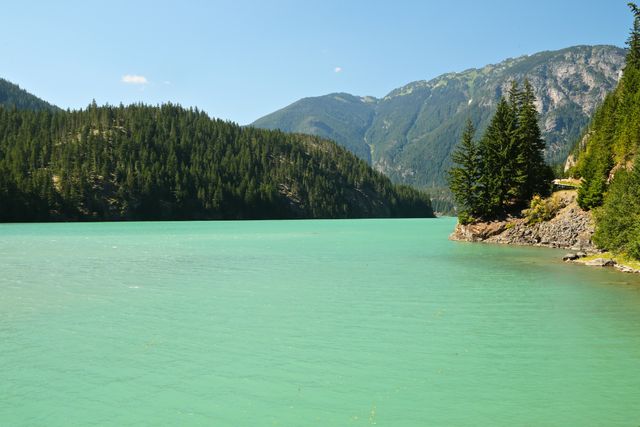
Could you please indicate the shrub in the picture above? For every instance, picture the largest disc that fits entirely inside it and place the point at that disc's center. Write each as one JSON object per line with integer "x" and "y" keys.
{"x": 541, "y": 209}
{"x": 465, "y": 218}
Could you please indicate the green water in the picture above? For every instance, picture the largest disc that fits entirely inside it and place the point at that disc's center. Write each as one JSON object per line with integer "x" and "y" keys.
{"x": 308, "y": 323}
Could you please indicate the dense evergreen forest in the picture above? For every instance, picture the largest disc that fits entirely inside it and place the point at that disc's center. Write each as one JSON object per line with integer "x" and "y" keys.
{"x": 500, "y": 173}
{"x": 608, "y": 161}
{"x": 141, "y": 163}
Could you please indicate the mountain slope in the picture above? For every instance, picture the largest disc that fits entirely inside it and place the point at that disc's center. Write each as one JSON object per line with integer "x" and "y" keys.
{"x": 140, "y": 162}
{"x": 11, "y": 95}
{"x": 341, "y": 117}
{"x": 415, "y": 128}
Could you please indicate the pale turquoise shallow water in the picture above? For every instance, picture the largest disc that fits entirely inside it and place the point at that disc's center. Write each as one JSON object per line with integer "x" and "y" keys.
{"x": 308, "y": 323}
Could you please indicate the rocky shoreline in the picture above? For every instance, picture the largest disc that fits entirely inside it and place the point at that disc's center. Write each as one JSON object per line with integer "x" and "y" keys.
{"x": 570, "y": 228}
{"x": 601, "y": 260}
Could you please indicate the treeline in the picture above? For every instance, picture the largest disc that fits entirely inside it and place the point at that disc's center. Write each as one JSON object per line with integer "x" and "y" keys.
{"x": 501, "y": 172}
{"x": 141, "y": 163}
{"x": 12, "y": 95}
{"x": 609, "y": 165}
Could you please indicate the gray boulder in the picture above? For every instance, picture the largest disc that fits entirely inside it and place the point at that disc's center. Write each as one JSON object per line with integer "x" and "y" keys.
{"x": 601, "y": 262}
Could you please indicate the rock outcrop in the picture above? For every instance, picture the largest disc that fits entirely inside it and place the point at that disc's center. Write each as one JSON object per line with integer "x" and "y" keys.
{"x": 625, "y": 268}
{"x": 570, "y": 228}
{"x": 601, "y": 262}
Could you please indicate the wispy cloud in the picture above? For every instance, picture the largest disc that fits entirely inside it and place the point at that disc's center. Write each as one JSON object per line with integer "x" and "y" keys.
{"x": 337, "y": 70}
{"x": 134, "y": 79}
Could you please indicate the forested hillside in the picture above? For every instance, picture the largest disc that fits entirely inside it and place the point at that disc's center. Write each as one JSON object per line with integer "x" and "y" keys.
{"x": 608, "y": 161}
{"x": 12, "y": 96}
{"x": 140, "y": 162}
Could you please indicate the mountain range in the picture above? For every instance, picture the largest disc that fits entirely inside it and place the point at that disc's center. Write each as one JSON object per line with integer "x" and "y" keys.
{"x": 409, "y": 134}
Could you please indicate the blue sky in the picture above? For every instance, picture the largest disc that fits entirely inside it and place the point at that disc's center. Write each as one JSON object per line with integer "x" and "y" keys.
{"x": 239, "y": 60}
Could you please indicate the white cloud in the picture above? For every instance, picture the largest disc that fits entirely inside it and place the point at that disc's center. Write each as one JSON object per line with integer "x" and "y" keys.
{"x": 134, "y": 79}
{"x": 337, "y": 70}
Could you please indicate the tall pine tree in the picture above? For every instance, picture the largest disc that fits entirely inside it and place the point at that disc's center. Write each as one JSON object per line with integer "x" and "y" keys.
{"x": 618, "y": 221}
{"x": 633, "y": 57}
{"x": 614, "y": 129}
{"x": 464, "y": 179}
{"x": 538, "y": 174}
{"x": 501, "y": 173}
{"x": 501, "y": 161}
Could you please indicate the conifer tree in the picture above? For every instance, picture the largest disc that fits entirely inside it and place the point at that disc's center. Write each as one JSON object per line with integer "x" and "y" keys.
{"x": 595, "y": 171}
{"x": 501, "y": 173}
{"x": 613, "y": 140}
{"x": 501, "y": 162}
{"x": 464, "y": 179}
{"x": 538, "y": 174}
{"x": 618, "y": 221}
{"x": 633, "y": 57}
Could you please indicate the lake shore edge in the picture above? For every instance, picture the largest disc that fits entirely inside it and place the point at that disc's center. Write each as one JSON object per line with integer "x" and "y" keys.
{"x": 570, "y": 228}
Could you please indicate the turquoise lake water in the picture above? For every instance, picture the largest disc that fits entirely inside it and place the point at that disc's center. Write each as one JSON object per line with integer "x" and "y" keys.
{"x": 308, "y": 323}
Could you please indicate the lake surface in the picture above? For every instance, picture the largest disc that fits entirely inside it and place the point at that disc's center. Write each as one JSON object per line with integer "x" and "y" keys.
{"x": 308, "y": 323}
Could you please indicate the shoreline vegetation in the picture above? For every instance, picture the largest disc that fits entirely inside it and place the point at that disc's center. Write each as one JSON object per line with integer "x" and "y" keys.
{"x": 565, "y": 226}
{"x": 597, "y": 213}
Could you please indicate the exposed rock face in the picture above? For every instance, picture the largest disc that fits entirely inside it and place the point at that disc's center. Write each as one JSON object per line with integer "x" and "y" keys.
{"x": 570, "y": 228}
{"x": 478, "y": 231}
